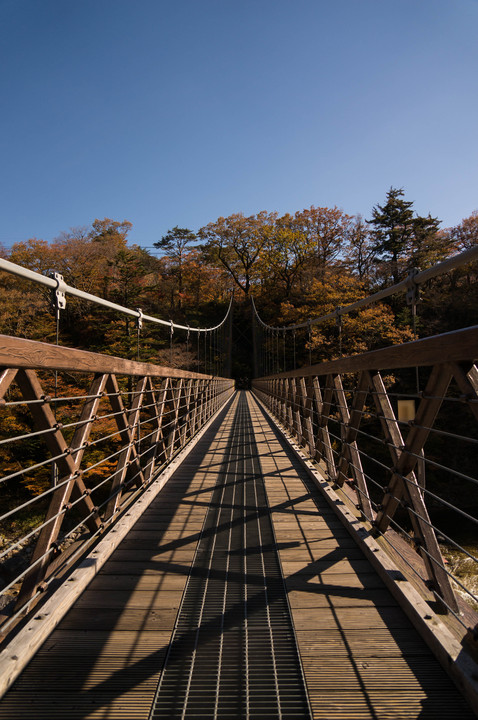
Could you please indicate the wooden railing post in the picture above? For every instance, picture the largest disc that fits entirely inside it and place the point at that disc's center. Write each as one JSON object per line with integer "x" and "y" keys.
{"x": 68, "y": 483}
{"x": 404, "y": 483}
{"x": 350, "y": 456}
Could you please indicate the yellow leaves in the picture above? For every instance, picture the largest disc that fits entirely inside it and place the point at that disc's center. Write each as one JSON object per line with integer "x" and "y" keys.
{"x": 35, "y": 486}
{"x": 371, "y": 328}
{"x": 33, "y": 254}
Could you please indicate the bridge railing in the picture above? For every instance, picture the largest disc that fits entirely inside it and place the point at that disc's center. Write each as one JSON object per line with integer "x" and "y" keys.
{"x": 82, "y": 435}
{"x": 407, "y": 459}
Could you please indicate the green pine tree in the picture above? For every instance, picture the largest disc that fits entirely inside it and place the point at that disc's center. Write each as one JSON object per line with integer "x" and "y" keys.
{"x": 393, "y": 227}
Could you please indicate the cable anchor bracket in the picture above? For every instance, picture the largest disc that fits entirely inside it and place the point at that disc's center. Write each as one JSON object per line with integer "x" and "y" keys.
{"x": 413, "y": 289}
{"x": 139, "y": 319}
{"x": 58, "y": 294}
{"x": 338, "y": 316}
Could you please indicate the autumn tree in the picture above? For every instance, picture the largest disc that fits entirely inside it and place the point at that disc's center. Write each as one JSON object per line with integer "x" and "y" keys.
{"x": 129, "y": 266}
{"x": 359, "y": 255}
{"x": 33, "y": 254}
{"x": 451, "y": 300}
{"x": 175, "y": 245}
{"x": 203, "y": 283}
{"x": 110, "y": 236}
{"x": 284, "y": 255}
{"x": 465, "y": 234}
{"x": 80, "y": 260}
{"x": 110, "y": 232}
{"x": 326, "y": 230}
{"x": 367, "y": 329}
{"x": 235, "y": 243}
{"x": 26, "y": 308}
{"x": 428, "y": 245}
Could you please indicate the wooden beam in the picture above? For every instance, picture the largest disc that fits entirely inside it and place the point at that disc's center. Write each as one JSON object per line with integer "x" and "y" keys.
{"x": 323, "y": 404}
{"x": 127, "y": 425}
{"x": 21, "y": 353}
{"x": 350, "y": 455}
{"x": 128, "y": 458}
{"x": 44, "y": 419}
{"x": 69, "y": 478}
{"x": 405, "y": 456}
{"x": 457, "y": 346}
{"x": 7, "y": 376}
{"x": 404, "y": 483}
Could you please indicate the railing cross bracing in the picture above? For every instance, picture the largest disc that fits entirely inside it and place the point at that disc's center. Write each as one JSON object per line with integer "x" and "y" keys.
{"x": 348, "y": 418}
{"x": 405, "y": 455}
{"x": 77, "y": 462}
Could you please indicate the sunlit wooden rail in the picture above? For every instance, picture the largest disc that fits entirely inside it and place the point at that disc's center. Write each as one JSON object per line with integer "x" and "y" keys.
{"x": 239, "y": 593}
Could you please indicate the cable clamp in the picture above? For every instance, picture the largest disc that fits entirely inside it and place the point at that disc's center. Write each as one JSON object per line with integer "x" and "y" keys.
{"x": 139, "y": 319}
{"x": 58, "y": 294}
{"x": 413, "y": 290}
{"x": 338, "y": 316}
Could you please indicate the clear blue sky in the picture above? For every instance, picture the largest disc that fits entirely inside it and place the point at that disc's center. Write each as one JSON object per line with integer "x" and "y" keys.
{"x": 175, "y": 112}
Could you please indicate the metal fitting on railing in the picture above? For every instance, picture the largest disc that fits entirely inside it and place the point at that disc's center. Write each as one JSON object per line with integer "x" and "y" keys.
{"x": 413, "y": 290}
{"x": 139, "y": 319}
{"x": 58, "y": 294}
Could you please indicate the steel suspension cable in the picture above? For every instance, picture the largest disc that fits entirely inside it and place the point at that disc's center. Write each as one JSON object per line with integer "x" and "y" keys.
{"x": 58, "y": 285}
{"x": 414, "y": 278}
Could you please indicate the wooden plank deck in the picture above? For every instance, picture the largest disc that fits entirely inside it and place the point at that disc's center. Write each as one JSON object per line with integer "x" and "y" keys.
{"x": 360, "y": 656}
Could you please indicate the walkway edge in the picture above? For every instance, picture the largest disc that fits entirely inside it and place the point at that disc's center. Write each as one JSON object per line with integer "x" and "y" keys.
{"x": 18, "y": 653}
{"x": 449, "y": 652}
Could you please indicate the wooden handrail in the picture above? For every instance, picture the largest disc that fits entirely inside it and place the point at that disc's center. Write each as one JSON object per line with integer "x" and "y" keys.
{"x": 456, "y": 346}
{"x": 22, "y": 353}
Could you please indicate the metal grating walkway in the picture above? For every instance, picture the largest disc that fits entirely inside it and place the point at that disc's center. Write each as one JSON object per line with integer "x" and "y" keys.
{"x": 233, "y": 652}
{"x": 236, "y": 570}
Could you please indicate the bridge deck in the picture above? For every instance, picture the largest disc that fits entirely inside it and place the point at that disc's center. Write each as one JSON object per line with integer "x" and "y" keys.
{"x": 237, "y": 569}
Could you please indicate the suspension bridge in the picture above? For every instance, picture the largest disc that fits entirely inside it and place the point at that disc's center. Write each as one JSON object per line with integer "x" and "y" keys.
{"x": 196, "y": 551}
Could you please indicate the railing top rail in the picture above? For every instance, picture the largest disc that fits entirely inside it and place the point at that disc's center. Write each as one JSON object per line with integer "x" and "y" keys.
{"x": 455, "y": 346}
{"x": 413, "y": 279}
{"x": 22, "y": 353}
{"x": 60, "y": 285}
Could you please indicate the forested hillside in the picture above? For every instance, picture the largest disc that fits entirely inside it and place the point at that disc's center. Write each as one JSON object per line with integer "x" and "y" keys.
{"x": 296, "y": 266}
